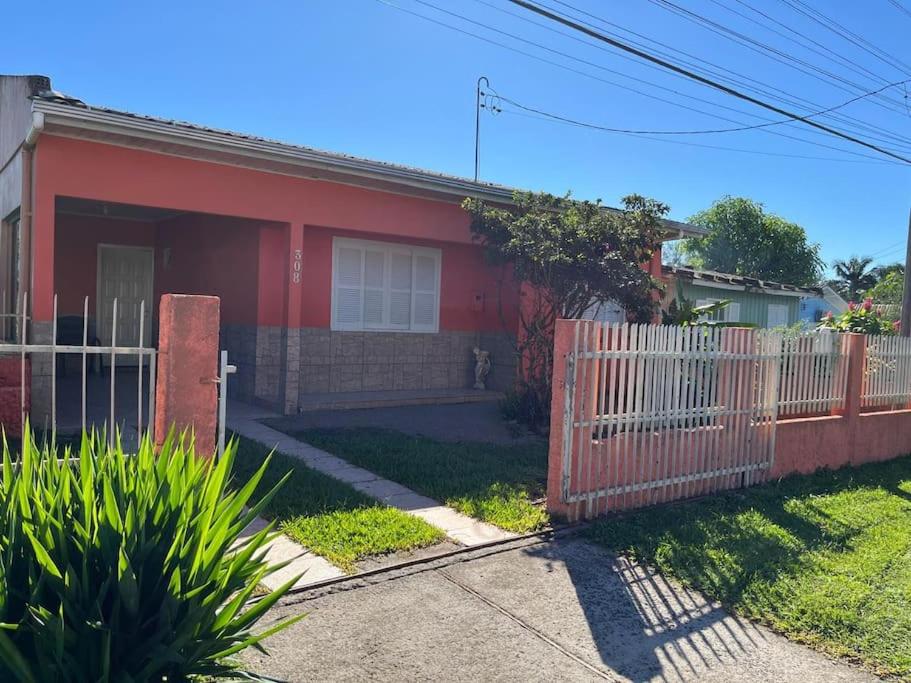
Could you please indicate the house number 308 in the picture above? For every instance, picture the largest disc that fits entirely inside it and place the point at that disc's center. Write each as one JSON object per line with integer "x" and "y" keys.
{"x": 297, "y": 266}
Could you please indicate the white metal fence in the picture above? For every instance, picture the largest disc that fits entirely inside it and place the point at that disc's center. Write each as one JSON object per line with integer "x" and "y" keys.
{"x": 655, "y": 412}
{"x": 48, "y": 394}
{"x": 887, "y": 372}
{"x": 48, "y": 360}
{"x": 813, "y": 373}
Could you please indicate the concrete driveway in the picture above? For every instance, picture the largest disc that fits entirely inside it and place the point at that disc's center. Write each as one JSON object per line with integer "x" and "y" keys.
{"x": 537, "y": 611}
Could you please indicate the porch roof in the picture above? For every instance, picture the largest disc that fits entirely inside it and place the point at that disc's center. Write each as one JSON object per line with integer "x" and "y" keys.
{"x": 711, "y": 278}
{"x": 59, "y": 114}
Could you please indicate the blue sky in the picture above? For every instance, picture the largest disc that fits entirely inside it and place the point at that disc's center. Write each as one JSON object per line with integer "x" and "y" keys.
{"x": 365, "y": 78}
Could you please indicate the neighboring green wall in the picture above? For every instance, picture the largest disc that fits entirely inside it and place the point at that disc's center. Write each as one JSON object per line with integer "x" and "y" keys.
{"x": 754, "y": 306}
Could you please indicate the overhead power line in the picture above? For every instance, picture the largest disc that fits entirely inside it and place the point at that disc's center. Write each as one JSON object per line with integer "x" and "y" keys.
{"x": 701, "y": 65}
{"x": 721, "y": 148}
{"x": 701, "y": 79}
{"x": 900, "y": 7}
{"x": 657, "y": 98}
{"x": 771, "y": 52}
{"x": 631, "y": 131}
{"x": 847, "y": 34}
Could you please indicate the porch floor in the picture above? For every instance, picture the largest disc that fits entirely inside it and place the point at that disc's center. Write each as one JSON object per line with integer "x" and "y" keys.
{"x": 98, "y": 402}
{"x": 351, "y": 400}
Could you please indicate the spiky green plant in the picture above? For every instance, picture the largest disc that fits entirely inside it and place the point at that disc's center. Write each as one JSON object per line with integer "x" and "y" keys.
{"x": 117, "y": 567}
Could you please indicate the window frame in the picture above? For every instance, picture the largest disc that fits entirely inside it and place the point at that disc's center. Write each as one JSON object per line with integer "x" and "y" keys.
{"x": 779, "y": 306}
{"x": 388, "y": 248}
{"x": 10, "y": 237}
{"x": 723, "y": 315}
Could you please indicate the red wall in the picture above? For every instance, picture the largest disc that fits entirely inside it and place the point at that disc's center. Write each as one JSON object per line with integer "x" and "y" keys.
{"x": 464, "y": 273}
{"x": 76, "y": 255}
{"x": 213, "y": 255}
{"x": 253, "y": 275}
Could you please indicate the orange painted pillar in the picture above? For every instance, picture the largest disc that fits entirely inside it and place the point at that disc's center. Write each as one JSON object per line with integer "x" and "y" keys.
{"x": 556, "y": 454}
{"x": 856, "y": 351}
{"x": 293, "y": 316}
{"x": 186, "y": 395}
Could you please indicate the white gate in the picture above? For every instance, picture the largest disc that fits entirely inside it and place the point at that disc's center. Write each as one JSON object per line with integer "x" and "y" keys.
{"x": 654, "y": 413}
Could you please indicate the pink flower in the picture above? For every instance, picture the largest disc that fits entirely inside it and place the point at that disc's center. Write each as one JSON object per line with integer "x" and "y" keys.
{"x": 829, "y": 315}
{"x": 868, "y": 304}
{"x": 851, "y": 305}
{"x": 896, "y": 325}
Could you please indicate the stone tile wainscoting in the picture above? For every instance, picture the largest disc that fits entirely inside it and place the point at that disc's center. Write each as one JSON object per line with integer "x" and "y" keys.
{"x": 271, "y": 365}
{"x": 332, "y": 362}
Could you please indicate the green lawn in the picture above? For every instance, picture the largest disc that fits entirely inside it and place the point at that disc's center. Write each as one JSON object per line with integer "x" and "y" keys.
{"x": 329, "y": 517}
{"x": 497, "y": 484}
{"x": 824, "y": 559}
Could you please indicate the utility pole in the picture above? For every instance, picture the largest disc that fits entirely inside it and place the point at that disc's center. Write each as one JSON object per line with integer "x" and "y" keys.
{"x": 477, "y": 127}
{"x": 905, "y": 329}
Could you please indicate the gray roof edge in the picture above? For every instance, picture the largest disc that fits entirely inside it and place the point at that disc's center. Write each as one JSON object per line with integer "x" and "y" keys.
{"x": 708, "y": 276}
{"x": 72, "y": 113}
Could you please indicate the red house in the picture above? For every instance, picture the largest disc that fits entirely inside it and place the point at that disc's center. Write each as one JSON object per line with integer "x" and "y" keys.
{"x": 336, "y": 274}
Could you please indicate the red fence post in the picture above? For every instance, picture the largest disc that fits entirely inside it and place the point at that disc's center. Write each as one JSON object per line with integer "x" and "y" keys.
{"x": 563, "y": 345}
{"x": 186, "y": 389}
{"x": 854, "y": 388}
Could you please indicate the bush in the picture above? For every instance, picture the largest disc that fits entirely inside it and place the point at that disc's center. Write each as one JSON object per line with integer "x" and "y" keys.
{"x": 865, "y": 319}
{"x": 526, "y": 405}
{"x": 127, "y": 568}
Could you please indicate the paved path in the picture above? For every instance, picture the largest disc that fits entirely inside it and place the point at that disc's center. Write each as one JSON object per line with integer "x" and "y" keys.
{"x": 245, "y": 420}
{"x": 448, "y": 422}
{"x": 563, "y": 610}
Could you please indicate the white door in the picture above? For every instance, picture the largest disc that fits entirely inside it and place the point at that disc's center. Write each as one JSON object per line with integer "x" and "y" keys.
{"x": 125, "y": 274}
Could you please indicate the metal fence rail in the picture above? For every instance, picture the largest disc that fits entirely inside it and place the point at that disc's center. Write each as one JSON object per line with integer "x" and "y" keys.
{"x": 814, "y": 373}
{"x": 887, "y": 372}
{"x": 658, "y": 412}
{"x": 145, "y": 358}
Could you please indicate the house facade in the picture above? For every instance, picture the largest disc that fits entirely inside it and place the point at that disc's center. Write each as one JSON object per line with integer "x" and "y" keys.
{"x": 754, "y": 302}
{"x": 336, "y": 274}
{"x": 815, "y": 308}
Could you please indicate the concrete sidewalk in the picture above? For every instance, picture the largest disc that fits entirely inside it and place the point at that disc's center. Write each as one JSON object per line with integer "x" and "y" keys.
{"x": 557, "y": 610}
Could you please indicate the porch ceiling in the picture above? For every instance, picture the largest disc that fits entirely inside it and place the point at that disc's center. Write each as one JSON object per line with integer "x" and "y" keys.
{"x": 93, "y": 207}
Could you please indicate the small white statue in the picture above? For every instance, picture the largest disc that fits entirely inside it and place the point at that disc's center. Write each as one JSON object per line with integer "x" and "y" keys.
{"x": 481, "y": 367}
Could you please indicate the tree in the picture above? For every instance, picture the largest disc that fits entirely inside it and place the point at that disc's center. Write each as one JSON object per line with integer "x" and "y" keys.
{"x": 743, "y": 239}
{"x": 889, "y": 289}
{"x": 853, "y": 277}
{"x": 567, "y": 256}
{"x": 881, "y": 272}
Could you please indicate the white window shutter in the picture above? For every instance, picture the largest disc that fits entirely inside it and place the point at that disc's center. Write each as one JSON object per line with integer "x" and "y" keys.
{"x": 400, "y": 275}
{"x": 377, "y": 286}
{"x": 348, "y": 287}
{"x": 374, "y": 288}
{"x": 424, "y": 299}
{"x": 732, "y": 312}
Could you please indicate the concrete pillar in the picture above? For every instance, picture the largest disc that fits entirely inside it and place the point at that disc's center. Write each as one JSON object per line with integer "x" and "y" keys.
{"x": 563, "y": 346}
{"x": 186, "y": 395}
{"x": 856, "y": 351}
{"x": 291, "y": 355}
{"x": 41, "y": 303}
{"x": 566, "y": 442}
